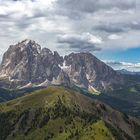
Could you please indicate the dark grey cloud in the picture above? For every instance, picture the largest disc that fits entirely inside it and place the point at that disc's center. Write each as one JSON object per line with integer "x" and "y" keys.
{"x": 110, "y": 28}
{"x": 117, "y": 27}
{"x": 135, "y": 26}
{"x": 85, "y": 42}
{"x": 91, "y": 6}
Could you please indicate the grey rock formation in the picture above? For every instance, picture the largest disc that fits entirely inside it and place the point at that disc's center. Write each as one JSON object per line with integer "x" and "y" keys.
{"x": 27, "y": 64}
{"x": 87, "y": 70}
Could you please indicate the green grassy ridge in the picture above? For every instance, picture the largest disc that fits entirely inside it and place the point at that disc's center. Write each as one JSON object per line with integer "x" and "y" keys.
{"x": 44, "y": 97}
{"x": 54, "y": 113}
{"x": 56, "y": 122}
{"x": 10, "y": 94}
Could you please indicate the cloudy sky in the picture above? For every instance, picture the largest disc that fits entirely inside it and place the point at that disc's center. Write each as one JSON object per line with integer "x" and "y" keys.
{"x": 107, "y": 28}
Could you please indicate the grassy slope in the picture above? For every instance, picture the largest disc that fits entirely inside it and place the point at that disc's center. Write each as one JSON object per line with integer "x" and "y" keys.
{"x": 9, "y": 94}
{"x": 126, "y": 99}
{"x": 55, "y": 113}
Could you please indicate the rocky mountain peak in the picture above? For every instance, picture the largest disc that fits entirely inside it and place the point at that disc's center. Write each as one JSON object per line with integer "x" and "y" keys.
{"x": 29, "y": 44}
{"x": 19, "y": 55}
{"x": 46, "y": 51}
{"x": 89, "y": 71}
{"x": 26, "y": 41}
{"x": 26, "y": 63}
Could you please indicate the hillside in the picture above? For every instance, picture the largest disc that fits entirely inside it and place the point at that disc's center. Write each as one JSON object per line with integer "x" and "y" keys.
{"x": 8, "y": 94}
{"x": 59, "y": 113}
{"x": 125, "y": 99}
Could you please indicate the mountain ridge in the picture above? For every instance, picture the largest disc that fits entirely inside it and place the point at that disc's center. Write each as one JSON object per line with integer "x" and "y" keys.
{"x": 126, "y": 72}
{"x": 26, "y": 63}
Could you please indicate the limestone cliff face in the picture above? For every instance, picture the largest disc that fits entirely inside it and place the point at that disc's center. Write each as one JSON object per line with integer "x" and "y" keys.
{"x": 26, "y": 63}
{"x": 87, "y": 70}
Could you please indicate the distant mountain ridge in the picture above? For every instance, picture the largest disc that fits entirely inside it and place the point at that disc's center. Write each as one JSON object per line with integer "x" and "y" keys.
{"x": 124, "y": 71}
{"x": 26, "y": 64}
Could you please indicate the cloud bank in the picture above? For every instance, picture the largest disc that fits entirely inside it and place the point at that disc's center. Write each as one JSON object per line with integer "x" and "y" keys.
{"x": 133, "y": 67}
{"x": 85, "y": 42}
{"x": 64, "y": 24}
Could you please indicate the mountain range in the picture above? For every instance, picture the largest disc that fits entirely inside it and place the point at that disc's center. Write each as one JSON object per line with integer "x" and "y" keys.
{"x": 26, "y": 64}
{"x": 45, "y": 96}
{"x": 124, "y": 71}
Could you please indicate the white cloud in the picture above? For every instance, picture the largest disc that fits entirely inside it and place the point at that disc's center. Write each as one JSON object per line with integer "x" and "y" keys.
{"x": 114, "y": 37}
{"x": 84, "y": 36}
{"x": 91, "y": 38}
{"x": 104, "y": 24}
{"x": 134, "y": 67}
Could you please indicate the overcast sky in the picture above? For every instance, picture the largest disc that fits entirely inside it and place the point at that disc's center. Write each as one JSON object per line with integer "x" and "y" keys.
{"x": 110, "y": 29}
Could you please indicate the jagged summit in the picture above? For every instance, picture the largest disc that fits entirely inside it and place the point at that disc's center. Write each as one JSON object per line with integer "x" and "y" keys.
{"x": 26, "y": 41}
{"x": 26, "y": 63}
